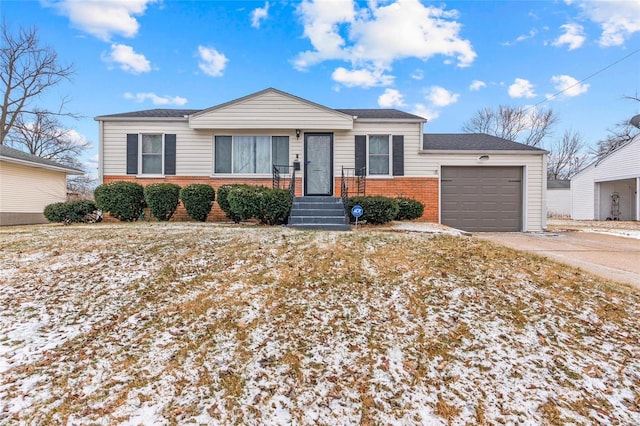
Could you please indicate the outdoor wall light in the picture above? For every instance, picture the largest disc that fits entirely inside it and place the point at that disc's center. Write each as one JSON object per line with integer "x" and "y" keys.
{"x": 297, "y": 133}
{"x": 483, "y": 158}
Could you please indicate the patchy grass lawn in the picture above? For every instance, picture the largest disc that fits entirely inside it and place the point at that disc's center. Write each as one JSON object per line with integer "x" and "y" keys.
{"x": 207, "y": 324}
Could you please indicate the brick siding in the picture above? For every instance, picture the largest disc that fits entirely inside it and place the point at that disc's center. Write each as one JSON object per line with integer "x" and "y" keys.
{"x": 424, "y": 190}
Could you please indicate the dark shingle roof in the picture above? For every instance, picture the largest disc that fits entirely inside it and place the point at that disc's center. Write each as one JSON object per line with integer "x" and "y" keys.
{"x": 11, "y": 153}
{"x": 471, "y": 142}
{"x": 153, "y": 113}
{"x": 380, "y": 114}
{"x": 558, "y": 184}
{"x": 180, "y": 113}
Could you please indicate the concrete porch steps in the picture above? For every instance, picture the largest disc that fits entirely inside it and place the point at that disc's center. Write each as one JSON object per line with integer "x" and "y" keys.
{"x": 318, "y": 212}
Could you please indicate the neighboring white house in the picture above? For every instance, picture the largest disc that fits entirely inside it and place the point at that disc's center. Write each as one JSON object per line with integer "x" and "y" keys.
{"x": 471, "y": 181}
{"x": 559, "y": 198}
{"x": 28, "y": 184}
{"x": 608, "y": 187}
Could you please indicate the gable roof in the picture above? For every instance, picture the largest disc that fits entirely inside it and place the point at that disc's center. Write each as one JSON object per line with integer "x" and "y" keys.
{"x": 607, "y": 157}
{"x": 19, "y": 157}
{"x": 185, "y": 114}
{"x": 473, "y": 142}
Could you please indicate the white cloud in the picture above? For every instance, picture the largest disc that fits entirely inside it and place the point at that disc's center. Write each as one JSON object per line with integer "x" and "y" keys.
{"x": 531, "y": 34}
{"x": 573, "y": 36}
{"x": 379, "y": 34}
{"x": 127, "y": 59}
{"x": 391, "y": 98}
{"x": 422, "y": 111}
{"x": 417, "y": 74}
{"x": 259, "y": 14}
{"x": 77, "y": 138}
{"x": 155, "y": 99}
{"x": 477, "y": 85}
{"x": 568, "y": 85}
{"x": 212, "y": 62}
{"x": 441, "y": 97}
{"x": 521, "y": 88}
{"x": 361, "y": 78}
{"x": 617, "y": 19}
{"x": 104, "y": 19}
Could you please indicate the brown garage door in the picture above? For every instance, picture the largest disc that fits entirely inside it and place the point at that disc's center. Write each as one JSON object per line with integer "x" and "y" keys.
{"x": 482, "y": 199}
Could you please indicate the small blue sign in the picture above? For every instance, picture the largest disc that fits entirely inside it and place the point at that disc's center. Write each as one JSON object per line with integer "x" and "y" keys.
{"x": 356, "y": 211}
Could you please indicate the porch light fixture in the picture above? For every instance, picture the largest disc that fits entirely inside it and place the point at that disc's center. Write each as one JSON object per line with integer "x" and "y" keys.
{"x": 297, "y": 133}
{"x": 483, "y": 158}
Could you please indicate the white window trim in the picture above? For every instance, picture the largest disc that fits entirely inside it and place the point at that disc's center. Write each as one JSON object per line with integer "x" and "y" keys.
{"x": 245, "y": 175}
{"x": 149, "y": 175}
{"x": 390, "y": 174}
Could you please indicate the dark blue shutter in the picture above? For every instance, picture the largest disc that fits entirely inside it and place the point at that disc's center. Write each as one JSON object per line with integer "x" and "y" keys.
{"x": 361, "y": 154}
{"x": 398, "y": 155}
{"x": 169, "y": 154}
{"x": 132, "y": 153}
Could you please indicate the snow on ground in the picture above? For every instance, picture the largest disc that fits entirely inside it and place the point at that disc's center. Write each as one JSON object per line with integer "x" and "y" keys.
{"x": 206, "y": 324}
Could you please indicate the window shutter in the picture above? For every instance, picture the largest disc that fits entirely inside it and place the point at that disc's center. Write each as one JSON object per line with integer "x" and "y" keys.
{"x": 361, "y": 154}
{"x": 132, "y": 153}
{"x": 169, "y": 154}
{"x": 398, "y": 155}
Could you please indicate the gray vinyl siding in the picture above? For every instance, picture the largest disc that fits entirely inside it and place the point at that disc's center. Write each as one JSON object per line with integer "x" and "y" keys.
{"x": 271, "y": 111}
{"x": 194, "y": 155}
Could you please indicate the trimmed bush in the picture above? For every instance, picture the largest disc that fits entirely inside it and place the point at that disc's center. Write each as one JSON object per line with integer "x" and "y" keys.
{"x": 409, "y": 208}
{"x": 244, "y": 201}
{"x": 162, "y": 199}
{"x": 197, "y": 199}
{"x": 377, "y": 210}
{"x": 70, "y": 212}
{"x": 122, "y": 200}
{"x": 55, "y": 212}
{"x": 274, "y": 207}
{"x": 223, "y": 192}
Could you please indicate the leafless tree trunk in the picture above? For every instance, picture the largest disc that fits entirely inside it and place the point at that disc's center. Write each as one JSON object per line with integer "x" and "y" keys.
{"x": 566, "y": 157}
{"x": 620, "y": 134}
{"x": 527, "y": 126}
{"x": 27, "y": 70}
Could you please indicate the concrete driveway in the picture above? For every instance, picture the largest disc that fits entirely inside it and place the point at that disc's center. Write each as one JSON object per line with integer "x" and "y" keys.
{"x": 608, "y": 256}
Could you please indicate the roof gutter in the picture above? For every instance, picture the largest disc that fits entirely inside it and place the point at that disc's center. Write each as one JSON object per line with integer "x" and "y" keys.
{"x": 147, "y": 119}
{"x": 482, "y": 151}
{"x": 67, "y": 170}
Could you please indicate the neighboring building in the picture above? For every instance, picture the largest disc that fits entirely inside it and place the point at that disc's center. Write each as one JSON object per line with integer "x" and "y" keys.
{"x": 608, "y": 187}
{"x": 483, "y": 183}
{"x": 28, "y": 184}
{"x": 559, "y": 198}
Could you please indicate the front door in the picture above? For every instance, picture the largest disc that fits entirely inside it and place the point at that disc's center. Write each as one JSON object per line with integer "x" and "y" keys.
{"x": 318, "y": 164}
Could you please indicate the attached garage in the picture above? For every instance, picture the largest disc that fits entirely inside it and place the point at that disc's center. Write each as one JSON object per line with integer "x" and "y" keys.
{"x": 486, "y": 183}
{"x": 481, "y": 199}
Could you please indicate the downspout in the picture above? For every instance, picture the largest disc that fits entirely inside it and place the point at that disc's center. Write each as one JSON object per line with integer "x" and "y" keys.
{"x": 100, "y": 152}
{"x": 544, "y": 192}
{"x": 638, "y": 198}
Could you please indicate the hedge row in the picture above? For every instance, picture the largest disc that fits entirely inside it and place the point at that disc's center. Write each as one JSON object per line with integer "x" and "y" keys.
{"x": 78, "y": 211}
{"x": 378, "y": 210}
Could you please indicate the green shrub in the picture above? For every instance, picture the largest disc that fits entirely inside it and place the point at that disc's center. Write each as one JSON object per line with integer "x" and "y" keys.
{"x": 409, "y": 208}
{"x": 55, "y": 212}
{"x": 377, "y": 210}
{"x": 244, "y": 201}
{"x": 70, "y": 212}
{"x": 223, "y": 202}
{"x": 197, "y": 199}
{"x": 162, "y": 199}
{"x": 274, "y": 206}
{"x": 122, "y": 200}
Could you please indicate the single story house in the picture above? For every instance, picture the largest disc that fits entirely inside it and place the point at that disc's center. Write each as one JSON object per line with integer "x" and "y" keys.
{"x": 608, "y": 187}
{"x": 28, "y": 184}
{"x": 559, "y": 198}
{"x": 472, "y": 181}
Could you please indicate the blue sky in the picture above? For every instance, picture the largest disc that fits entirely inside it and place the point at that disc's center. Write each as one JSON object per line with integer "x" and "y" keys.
{"x": 441, "y": 60}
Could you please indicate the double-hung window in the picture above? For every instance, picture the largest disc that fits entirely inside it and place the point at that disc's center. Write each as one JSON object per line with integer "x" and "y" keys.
{"x": 250, "y": 154}
{"x": 151, "y": 155}
{"x": 379, "y": 155}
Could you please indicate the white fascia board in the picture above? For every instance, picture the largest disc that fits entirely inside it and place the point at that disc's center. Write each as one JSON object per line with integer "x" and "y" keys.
{"x": 480, "y": 152}
{"x": 68, "y": 171}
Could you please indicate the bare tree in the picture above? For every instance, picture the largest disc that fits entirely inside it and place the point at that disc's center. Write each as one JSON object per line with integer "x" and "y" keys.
{"x": 27, "y": 70}
{"x": 565, "y": 156}
{"x": 47, "y": 138}
{"x": 618, "y": 135}
{"x": 527, "y": 126}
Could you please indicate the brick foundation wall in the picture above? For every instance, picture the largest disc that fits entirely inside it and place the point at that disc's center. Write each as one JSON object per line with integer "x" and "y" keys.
{"x": 424, "y": 190}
